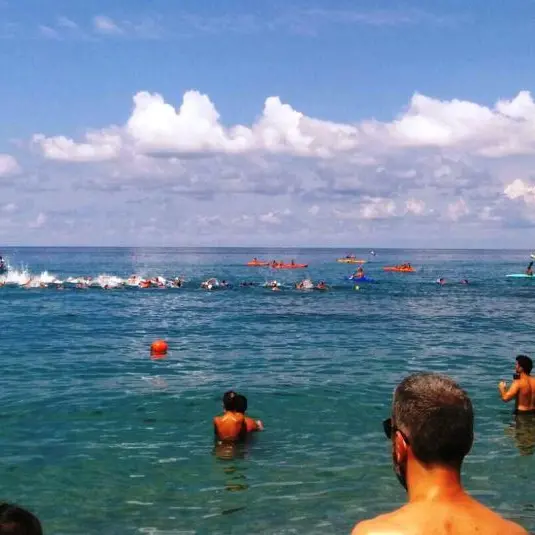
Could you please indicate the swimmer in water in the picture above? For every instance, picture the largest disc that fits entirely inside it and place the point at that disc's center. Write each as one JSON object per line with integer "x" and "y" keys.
{"x": 251, "y": 424}
{"x": 464, "y": 281}
{"x": 441, "y": 281}
{"x": 321, "y": 286}
{"x": 231, "y": 427}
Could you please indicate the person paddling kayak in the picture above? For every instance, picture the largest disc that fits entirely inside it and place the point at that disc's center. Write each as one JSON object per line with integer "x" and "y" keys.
{"x": 359, "y": 274}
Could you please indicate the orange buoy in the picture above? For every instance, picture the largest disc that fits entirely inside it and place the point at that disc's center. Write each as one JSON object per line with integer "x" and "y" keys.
{"x": 159, "y": 348}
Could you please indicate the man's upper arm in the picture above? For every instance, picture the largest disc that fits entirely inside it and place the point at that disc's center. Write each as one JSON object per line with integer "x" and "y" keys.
{"x": 512, "y": 392}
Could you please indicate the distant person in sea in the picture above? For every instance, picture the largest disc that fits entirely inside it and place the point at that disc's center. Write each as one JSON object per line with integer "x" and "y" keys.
{"x": 529, "y": 270}
{"x": 522, "y": 389}
{"x": 359, "y": 274}
{"x": 231, "y": 426}
{"x": 15, "y": 520}
{"x": 432, "y": 430}
{"x": 241, "y": 407}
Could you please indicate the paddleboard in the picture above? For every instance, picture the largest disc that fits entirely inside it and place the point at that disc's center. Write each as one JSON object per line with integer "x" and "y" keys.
{"x": 519, "y": 276}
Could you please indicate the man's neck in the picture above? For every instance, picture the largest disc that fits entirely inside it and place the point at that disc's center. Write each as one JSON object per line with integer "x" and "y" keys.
{"x": 433, "y": 483}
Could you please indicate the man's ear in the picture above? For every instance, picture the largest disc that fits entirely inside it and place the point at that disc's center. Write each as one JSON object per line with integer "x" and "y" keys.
{"x": 400, "y": 448}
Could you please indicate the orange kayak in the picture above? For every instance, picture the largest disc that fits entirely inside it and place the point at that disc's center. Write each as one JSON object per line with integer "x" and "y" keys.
{"x": 258, "y": 263}
{"x": 399, "y": 269}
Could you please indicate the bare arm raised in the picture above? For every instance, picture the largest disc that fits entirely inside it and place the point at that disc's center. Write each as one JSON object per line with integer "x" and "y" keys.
{"x": 511, "y": 393}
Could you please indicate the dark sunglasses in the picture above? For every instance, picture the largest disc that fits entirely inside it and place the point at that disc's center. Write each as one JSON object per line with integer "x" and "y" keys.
{"x": 390, "y": 429}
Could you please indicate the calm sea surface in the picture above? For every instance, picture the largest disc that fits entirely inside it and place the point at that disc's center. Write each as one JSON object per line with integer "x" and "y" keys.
{"x": 97, "y": 438}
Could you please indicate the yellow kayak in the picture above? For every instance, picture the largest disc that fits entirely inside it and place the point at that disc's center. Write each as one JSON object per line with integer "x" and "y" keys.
{"x": 350, "y": 261}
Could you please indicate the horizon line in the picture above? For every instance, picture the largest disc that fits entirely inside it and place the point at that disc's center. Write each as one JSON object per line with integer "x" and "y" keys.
{"x": 249, "y": 247}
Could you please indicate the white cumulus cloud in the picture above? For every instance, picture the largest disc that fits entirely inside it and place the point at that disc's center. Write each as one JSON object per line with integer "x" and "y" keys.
{"x": 437, "y": 162}
{"x": 157, "y": 127}
{"x": 99, "y": 146}
{"x": 8, "y": 165}
{"x": 520, "y": 189}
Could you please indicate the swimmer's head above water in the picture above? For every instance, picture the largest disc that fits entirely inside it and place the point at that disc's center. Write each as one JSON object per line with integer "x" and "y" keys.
{"x": 229, "y": 400}
{"x": 241, "y": 407}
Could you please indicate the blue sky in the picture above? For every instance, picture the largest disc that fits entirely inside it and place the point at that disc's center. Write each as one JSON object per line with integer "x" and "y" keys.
{"x": 374, "y": 123}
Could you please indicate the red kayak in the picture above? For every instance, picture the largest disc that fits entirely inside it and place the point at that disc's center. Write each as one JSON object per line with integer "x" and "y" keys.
{"x": 289, "y": 266}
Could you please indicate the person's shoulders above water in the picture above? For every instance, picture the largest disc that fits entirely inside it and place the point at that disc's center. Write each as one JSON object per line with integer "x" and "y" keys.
{"x": 422, "y": 520}
{"x": 381, "y": 525}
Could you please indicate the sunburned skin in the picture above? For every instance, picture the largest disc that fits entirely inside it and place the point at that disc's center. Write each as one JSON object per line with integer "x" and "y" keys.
{"x": 461, "y": 515}
{"x": 230, "y": 427}
{"x": 522, "y": 390}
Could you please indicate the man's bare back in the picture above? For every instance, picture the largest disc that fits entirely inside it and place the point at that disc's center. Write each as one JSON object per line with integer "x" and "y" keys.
{"x": 464, "y": 516}
{"x": 526, "y": 393}
{"x": 522, "y": 390}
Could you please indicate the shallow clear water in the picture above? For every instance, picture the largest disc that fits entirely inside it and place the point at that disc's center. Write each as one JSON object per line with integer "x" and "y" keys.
{"x": 97, "y": 438}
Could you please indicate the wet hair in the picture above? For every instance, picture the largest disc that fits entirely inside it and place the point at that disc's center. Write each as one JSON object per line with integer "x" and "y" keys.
{"x": 525, "y": 363}
{"x": 15, "y": 520}
{"x": 241, "y": 404}
{"x": 437, "y": 417}
{"x": 229, "y": 400}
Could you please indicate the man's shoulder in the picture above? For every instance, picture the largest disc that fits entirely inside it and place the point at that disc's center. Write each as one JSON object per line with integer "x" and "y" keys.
{"x": 387, "y": 523}
{"x": 408, "y": 519}
{"x": 512, "y": 528}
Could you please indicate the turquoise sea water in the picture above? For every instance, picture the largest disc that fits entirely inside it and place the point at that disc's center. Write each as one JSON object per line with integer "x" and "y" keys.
{"x": 97, "y": 438}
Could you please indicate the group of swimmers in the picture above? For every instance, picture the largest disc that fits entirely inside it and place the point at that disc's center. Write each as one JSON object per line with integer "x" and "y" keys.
{"x": 431, "y": 429}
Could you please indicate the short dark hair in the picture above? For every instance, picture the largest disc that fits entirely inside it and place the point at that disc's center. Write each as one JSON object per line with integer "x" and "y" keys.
{"x": 241, "y": 404}
{"x": 15, "y": 520}
{"x": 525, "y": 363}
{"x": 229, "y": 400}
{"x": 437, "y": 417}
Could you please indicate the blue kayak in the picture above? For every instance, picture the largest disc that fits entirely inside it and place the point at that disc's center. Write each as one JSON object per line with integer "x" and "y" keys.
{"x": 362, "y": 279}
